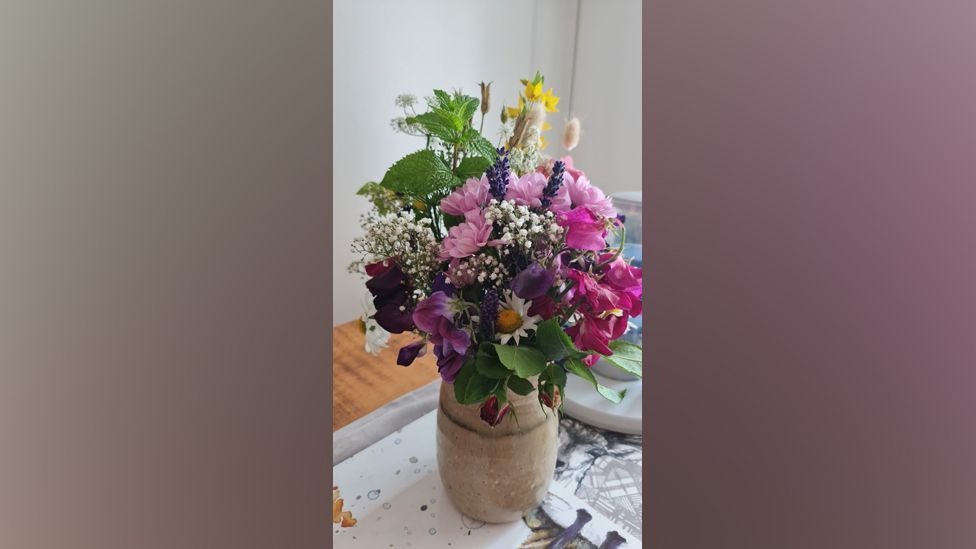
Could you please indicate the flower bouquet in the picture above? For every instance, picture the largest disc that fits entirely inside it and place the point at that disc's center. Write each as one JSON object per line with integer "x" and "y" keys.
{"x": 496, "y": 256}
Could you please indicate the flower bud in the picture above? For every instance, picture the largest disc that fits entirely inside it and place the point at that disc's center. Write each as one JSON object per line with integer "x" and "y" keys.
{"x": 485, "y": 97}
{"x": 491, "y": 413}
{"x": 551, "y": 402}
{"x": 504, "y": 114}
{"x": 409, "y": 353}
{"x": 571, "y": 134}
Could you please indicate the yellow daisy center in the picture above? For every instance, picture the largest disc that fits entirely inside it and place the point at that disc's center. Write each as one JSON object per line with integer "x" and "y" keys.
{"x": 508, "y": 321}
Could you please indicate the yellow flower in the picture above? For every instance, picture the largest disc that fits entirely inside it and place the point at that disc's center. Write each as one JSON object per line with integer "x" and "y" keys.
{"x": 549, "y": 100}
{"x": 542, "y": 142}
{"x": 546, "y": 126}
{"x": 533, "y": 91}
{"x": 513, "y": 112}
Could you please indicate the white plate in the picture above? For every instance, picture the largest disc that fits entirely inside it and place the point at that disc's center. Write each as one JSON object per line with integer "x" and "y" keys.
{"x": 585, "y": 404}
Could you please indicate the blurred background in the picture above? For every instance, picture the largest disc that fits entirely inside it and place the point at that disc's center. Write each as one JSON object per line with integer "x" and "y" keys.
{"x": 588, "y": 50}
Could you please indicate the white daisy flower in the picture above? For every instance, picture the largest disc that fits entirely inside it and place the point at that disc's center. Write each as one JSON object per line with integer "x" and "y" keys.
{"x": 513, "y": 320}
{"x": 376, "y": 337}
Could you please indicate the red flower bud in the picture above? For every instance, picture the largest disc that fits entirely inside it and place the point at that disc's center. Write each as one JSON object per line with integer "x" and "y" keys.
{"x": 552, "y": 402}
{"x": 490, "y": 413}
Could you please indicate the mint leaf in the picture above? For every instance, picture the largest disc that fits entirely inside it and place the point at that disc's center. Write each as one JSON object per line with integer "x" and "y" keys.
{"x": 576, "y": 366}
{"x": 472, "y": 166}
{"x": 627, "y": 357}
{"x": 554, "y": 342}
{"x": 520, "y": 386}
{"x": 439, "y": 123}
{"x": 526, "y": 361}
{"x": 419, "y": 175}
{"x": 467, "y": 107}
{"x": 475, "y": 143}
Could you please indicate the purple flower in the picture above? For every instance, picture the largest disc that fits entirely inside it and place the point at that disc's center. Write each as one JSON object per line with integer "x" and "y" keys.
{"x": 555, "y": 181}
{"x": 410, "y": 352}
{"x": 491, "y": 413}
{"x": 393, "y": 318}
{"x": 534, "y": 281}
{"x": 449, "y": 362}
{"x": 440, "y": 284}
{"x": 489, "y": 313}
{"x": 433, "y": 315}
{"x": 428, "y": 311}
{"x": 390, "y": 293}
{"x": 499, "y": 175}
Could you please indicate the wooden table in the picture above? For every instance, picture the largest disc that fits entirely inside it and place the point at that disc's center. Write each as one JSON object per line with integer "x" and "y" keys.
{"x": 362, "y": 382}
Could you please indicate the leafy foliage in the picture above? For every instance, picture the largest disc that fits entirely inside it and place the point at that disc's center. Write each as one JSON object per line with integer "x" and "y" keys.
{"x": 525, "y": 360}
{"x": 576, "y": 366}
{"x": 627, "y": 357}
{"x": 420, "y": 175}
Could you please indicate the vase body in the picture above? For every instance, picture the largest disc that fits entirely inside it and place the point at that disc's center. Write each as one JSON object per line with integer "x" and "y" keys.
{"x": 496, "y": 474}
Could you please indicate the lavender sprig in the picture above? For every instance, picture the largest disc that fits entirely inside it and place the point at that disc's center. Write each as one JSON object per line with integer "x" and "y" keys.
{"x": 489, "y": 314}
{"x": 497, "y": 175}
{"x": 555, "y": 181}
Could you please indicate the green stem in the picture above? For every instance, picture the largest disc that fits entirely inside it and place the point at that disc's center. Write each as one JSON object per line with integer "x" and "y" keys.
{"x": 623, "y": 235}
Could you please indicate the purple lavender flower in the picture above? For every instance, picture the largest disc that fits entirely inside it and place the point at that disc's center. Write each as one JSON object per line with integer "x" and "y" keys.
{"x": 497, "y": 175}
{"x": 489, "y": 313}
{"x": 532, "y": 282}
{"x": 555, "y": 181}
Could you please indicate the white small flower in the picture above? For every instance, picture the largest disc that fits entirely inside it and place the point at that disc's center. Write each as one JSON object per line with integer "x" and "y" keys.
{"x": 376, "y": 337}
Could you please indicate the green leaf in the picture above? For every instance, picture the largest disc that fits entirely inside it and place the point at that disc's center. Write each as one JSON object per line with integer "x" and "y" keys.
{"x": 557, "y": 374}
{"x": 461, "y": 381}
{"x": 472, "y": 166}
{"x": 451, "y": 220}
{"x": 467, "y": 107}
{"x": 488, "y": 365}
{"x": 475, "y": 143}
{"x": 520, "y": 386}
{"x": 438, "y": 123}
{"x": 554, "y": 342}
{"x": 419, "y": 175}
{"x": 627, "y": 357}
{"x": 526, "y": 361}
{"x": 478, "y": 388}
{"x": 576, "y": 366}
{"x": 442, "y": 97}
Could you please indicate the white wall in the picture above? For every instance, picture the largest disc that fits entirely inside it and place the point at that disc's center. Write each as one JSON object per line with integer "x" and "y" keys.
{"x": 385, "y": 47}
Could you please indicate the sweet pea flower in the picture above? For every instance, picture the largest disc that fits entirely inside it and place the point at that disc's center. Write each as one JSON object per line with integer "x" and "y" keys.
{"x": 527, "y": 190}
{"x": 389, "y": 290}
{"x": 532, "y": 282}
{"x": 472, "y": 195}
{"x": 585, "y": 231}
{"x": 408, "y": 353}
{"x": 600, "y": 298}
{"x": 592, "y": 333}
{"x": 451, "y": 344}
{"x": 466, "y": 238}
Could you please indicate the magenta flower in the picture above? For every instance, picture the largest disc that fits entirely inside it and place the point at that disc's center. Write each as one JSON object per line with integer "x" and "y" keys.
{"x": 527, "y": 190}
{"x": 585, "y": 231}
{"x": 626, "y": 281}
{"x": 491, "y": 413}
{"x": 467, "y": 238}
{"x": 593, "y": 333}
{"x": 598, "y": 297}
{"x": 473, "y": 195}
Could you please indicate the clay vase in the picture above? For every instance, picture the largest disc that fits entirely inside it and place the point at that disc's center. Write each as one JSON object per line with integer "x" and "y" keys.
{"x": 496, "y": 474}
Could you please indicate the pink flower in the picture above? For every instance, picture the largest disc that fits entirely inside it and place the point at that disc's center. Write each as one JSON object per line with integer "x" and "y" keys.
{"x": 568, "y": 163}
{"x": 471, "y": 196}
{"x": 625, "y": 279}
{"x": 467, "y": 238}
{"x": 527, "y": 190}
{"x": 598, "y": 297}
{"x": 593, "y": 333}
{"x": 577, "y": 192}
{"x": 585, "y": 231}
